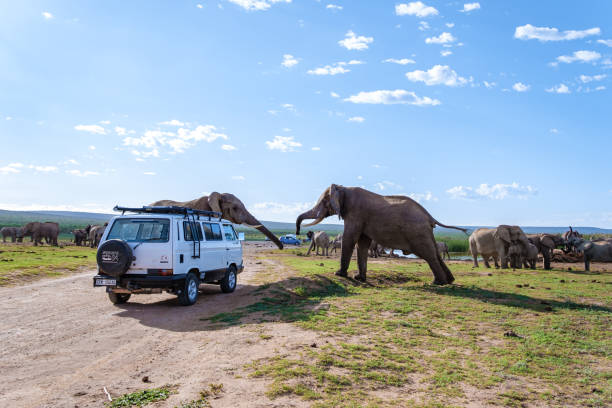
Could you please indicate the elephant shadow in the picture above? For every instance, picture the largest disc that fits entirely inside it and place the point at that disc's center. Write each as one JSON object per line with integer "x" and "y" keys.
{"x": 289, "y": 300}
{"x": 511, "y": 299}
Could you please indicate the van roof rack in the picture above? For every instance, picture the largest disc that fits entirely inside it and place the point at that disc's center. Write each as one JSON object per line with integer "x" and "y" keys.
{"x": 172, "y": 209}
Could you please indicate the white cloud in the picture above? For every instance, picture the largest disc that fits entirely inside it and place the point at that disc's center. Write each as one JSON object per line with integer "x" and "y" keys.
{"x": 354, "y": 42}
{"x": 105, "y": 122}
{"x": 389, "y": 97}
{"x": 92, "y": 147}
{"x": 403, "y": 61}
{"x": 43, "y": 169}
{"x": 199, "y": 6}
{"x": 120, "y": 131}
{"x": 333, "y": 7}
{"x": 334, "y": 95}
{"x": 444, "y": 38}
{"x": 420, "y": 197}
{"x": 289, "y": 61}
{"x": 493, "y": 192}
{"x": 521, "y": 87}
{"x": 529, "y": 32}
{"x": 580, "y": 56}
{"x": 338, "y": 68}
{"x": 275, "y": 211}
{"x": 385, "y": 184}
{"x": 554, "y": 130}
{"x": 450, "y": 25}
{"x": 283, "y": 143}
{"x": 586, "y": 78}
{"x": 605, "y": 42}
{"x": 173, "y": 122}
{"x": 288, "y": 106}
{"x": 238, "y": 178}
{"x": 178, "y": 142}
{"x": 257, "y": 5}
{"x": 71, "y": 161}
{"x": 489, "y": 85}
{"x": 80, "y": 173}
{"x": 437, "y": 75}
{"x": 11, "y": 168}
{"x": 467, "y": 7}
{"x": 424, "y": 25}
{"x": 315, "y": 148}
{"x": 445, "y": 53}
{"x": 357, "y": 119}
{"x": 149, "y": 173}
{"x": 47, "y": 15}
{"x": 95, "y": 129}
{"x": 415, "y": 8}
{"x": 560, "y": 89}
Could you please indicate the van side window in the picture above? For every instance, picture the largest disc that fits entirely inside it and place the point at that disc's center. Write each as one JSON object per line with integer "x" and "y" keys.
{"x": 188, "y": 233}
{"x": 228, "y": 231}
{"x": 212, "y": 231}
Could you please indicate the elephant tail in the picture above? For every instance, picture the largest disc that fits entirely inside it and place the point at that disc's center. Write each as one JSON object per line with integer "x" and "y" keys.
{"x": 436, "y": 222}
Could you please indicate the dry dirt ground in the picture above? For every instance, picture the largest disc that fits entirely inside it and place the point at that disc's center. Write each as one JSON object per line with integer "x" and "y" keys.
{"x": 63, "y": 342}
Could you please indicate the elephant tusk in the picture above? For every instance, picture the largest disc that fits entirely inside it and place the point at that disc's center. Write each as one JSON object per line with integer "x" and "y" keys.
{"x": 315, "y": 222}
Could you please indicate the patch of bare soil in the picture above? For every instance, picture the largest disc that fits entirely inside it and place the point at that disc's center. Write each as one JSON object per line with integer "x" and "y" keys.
{"x": 63, "y": 342}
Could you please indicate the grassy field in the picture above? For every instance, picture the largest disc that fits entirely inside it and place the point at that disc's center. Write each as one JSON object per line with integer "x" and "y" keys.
{"x": 21, "y": 263}
{"x": 511, "y": 338}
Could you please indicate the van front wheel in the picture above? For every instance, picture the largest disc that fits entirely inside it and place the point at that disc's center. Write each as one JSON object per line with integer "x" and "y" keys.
{"x": 228, "y": 283}
{"x": 189, "y": 292}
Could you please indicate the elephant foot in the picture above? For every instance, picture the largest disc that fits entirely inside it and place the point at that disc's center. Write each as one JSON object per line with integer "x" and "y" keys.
{"x": 341, "y": 273}
{"x": 439, "y": 283}
{"x": 360, "y": 278}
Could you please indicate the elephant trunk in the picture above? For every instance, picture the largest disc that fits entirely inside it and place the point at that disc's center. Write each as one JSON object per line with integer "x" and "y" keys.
{"x": 253, "y": 222}
{"x": 308, "y": 215}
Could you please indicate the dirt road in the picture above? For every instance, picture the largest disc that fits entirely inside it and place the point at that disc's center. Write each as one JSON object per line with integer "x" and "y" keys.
{"x": 63, "y": 341}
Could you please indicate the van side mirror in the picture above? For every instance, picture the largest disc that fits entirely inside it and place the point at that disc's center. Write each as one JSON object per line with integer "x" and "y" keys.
{"x": 241, "y": 236}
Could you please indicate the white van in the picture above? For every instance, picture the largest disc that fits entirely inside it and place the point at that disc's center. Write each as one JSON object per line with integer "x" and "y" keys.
{"x": 151, "y": 249}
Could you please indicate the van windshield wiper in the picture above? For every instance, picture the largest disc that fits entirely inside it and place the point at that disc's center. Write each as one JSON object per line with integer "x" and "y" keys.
{"x": 143, "y": 241}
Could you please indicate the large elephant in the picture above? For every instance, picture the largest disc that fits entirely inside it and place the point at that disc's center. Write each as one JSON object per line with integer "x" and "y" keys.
{"x": 546, "y": 243}
{"x": 95, "y": 234}
{"x": 494, "y": 242}
{"x": 318, "y": 240}
{"x": 392, "y": 221}
{"x": 42, "y": 230}
{"x": 600, "y": 251}
{"x": 9, "y": 232}
{"x": 227, "y": 204}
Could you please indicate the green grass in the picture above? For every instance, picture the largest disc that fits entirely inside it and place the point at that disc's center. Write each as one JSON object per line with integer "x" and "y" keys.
{"x": 141, "y": 398}
{"x": 203, "y": 402}
{"x": 456, "y": 243}
{"x": 398, "y": 332}
{"x": 25, "y": 262}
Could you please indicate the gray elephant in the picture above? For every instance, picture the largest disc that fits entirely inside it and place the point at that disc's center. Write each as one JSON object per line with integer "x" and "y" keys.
{"x": 335, "y": 244}
{"x": 522, "y": 257}
{"x": 442, "y": 249}
{"x": 42, "y": 230}
{"x": 375, "y": 249}
{"x": 392, "y": 221}
{"x": 600, "y": 251}
{"x": 318, "y": 240}
{"x": 229, "y": 206}
{"x": 10, "y": 232}
{"x": 95, "y": 234}
{"x": 546, "y": 243}
{"x": 80, "y": 236}
{"x": 494, "y": 242}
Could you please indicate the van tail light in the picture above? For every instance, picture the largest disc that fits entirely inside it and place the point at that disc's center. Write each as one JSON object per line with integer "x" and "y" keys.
{"x": 160, "y": 272}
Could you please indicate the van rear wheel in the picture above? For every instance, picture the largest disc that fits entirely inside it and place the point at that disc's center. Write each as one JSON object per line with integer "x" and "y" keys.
{"x": 228, "y": 283}
{"x": 189, "y": 292}
{"x": 118, "y": 298}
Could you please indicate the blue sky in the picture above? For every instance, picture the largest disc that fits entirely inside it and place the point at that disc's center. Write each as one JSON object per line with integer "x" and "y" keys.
{"x": 486, "y": 112}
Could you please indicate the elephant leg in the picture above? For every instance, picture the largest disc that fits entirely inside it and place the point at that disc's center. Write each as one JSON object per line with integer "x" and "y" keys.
{"x": 429, "y": 252}
{"x": 485, "y": 260}
{"x": 349, "y": 239}
{"x": 546, "y": 255}
{"x": 310, "y": 248}
{"x": 474, "y": 251}
{"x": 587, "y": 264}
{"x": 362, "y": 257}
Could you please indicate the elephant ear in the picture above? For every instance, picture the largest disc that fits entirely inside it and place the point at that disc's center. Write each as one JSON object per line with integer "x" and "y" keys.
{"x": 548, "y": 242}
{"x": 502, "y": 233}
{"x": 335, "y": 200}
{"x": 214, "y": 200}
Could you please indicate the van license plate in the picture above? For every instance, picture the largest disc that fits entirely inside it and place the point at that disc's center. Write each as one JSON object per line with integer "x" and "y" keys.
{"x": 106, "y": 282}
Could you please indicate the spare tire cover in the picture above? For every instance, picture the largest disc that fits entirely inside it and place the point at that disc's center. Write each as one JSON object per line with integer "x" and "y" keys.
{"x": 114, "y": 257}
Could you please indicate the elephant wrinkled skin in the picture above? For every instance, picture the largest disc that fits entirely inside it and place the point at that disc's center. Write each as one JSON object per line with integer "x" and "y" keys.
{"x": 229, "y": 206}
{"x": 392, "y": 221}
{"x": 318, "y": 240}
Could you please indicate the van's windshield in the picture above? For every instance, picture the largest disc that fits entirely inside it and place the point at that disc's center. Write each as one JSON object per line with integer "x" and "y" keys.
{"x": 140, "y": 229}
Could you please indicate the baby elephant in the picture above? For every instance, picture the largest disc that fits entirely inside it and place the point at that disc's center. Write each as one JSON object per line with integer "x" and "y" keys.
{"x": 336, "y": 243}
{"x": 520, "y": 256}
{"x": 318, "y": 239}
{"x": 442, "y": 249}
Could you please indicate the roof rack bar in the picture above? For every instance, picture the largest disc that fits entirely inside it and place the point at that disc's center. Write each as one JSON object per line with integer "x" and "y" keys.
{"x": 168, "y": 210}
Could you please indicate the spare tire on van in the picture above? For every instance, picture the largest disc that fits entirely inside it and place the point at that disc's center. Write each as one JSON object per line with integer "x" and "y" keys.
{"x": 114, "y": 257}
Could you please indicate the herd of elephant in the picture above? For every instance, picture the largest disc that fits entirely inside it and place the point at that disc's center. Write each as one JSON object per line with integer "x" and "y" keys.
{"x": 373, "y": 221}
{"x": 41, "y": 232}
